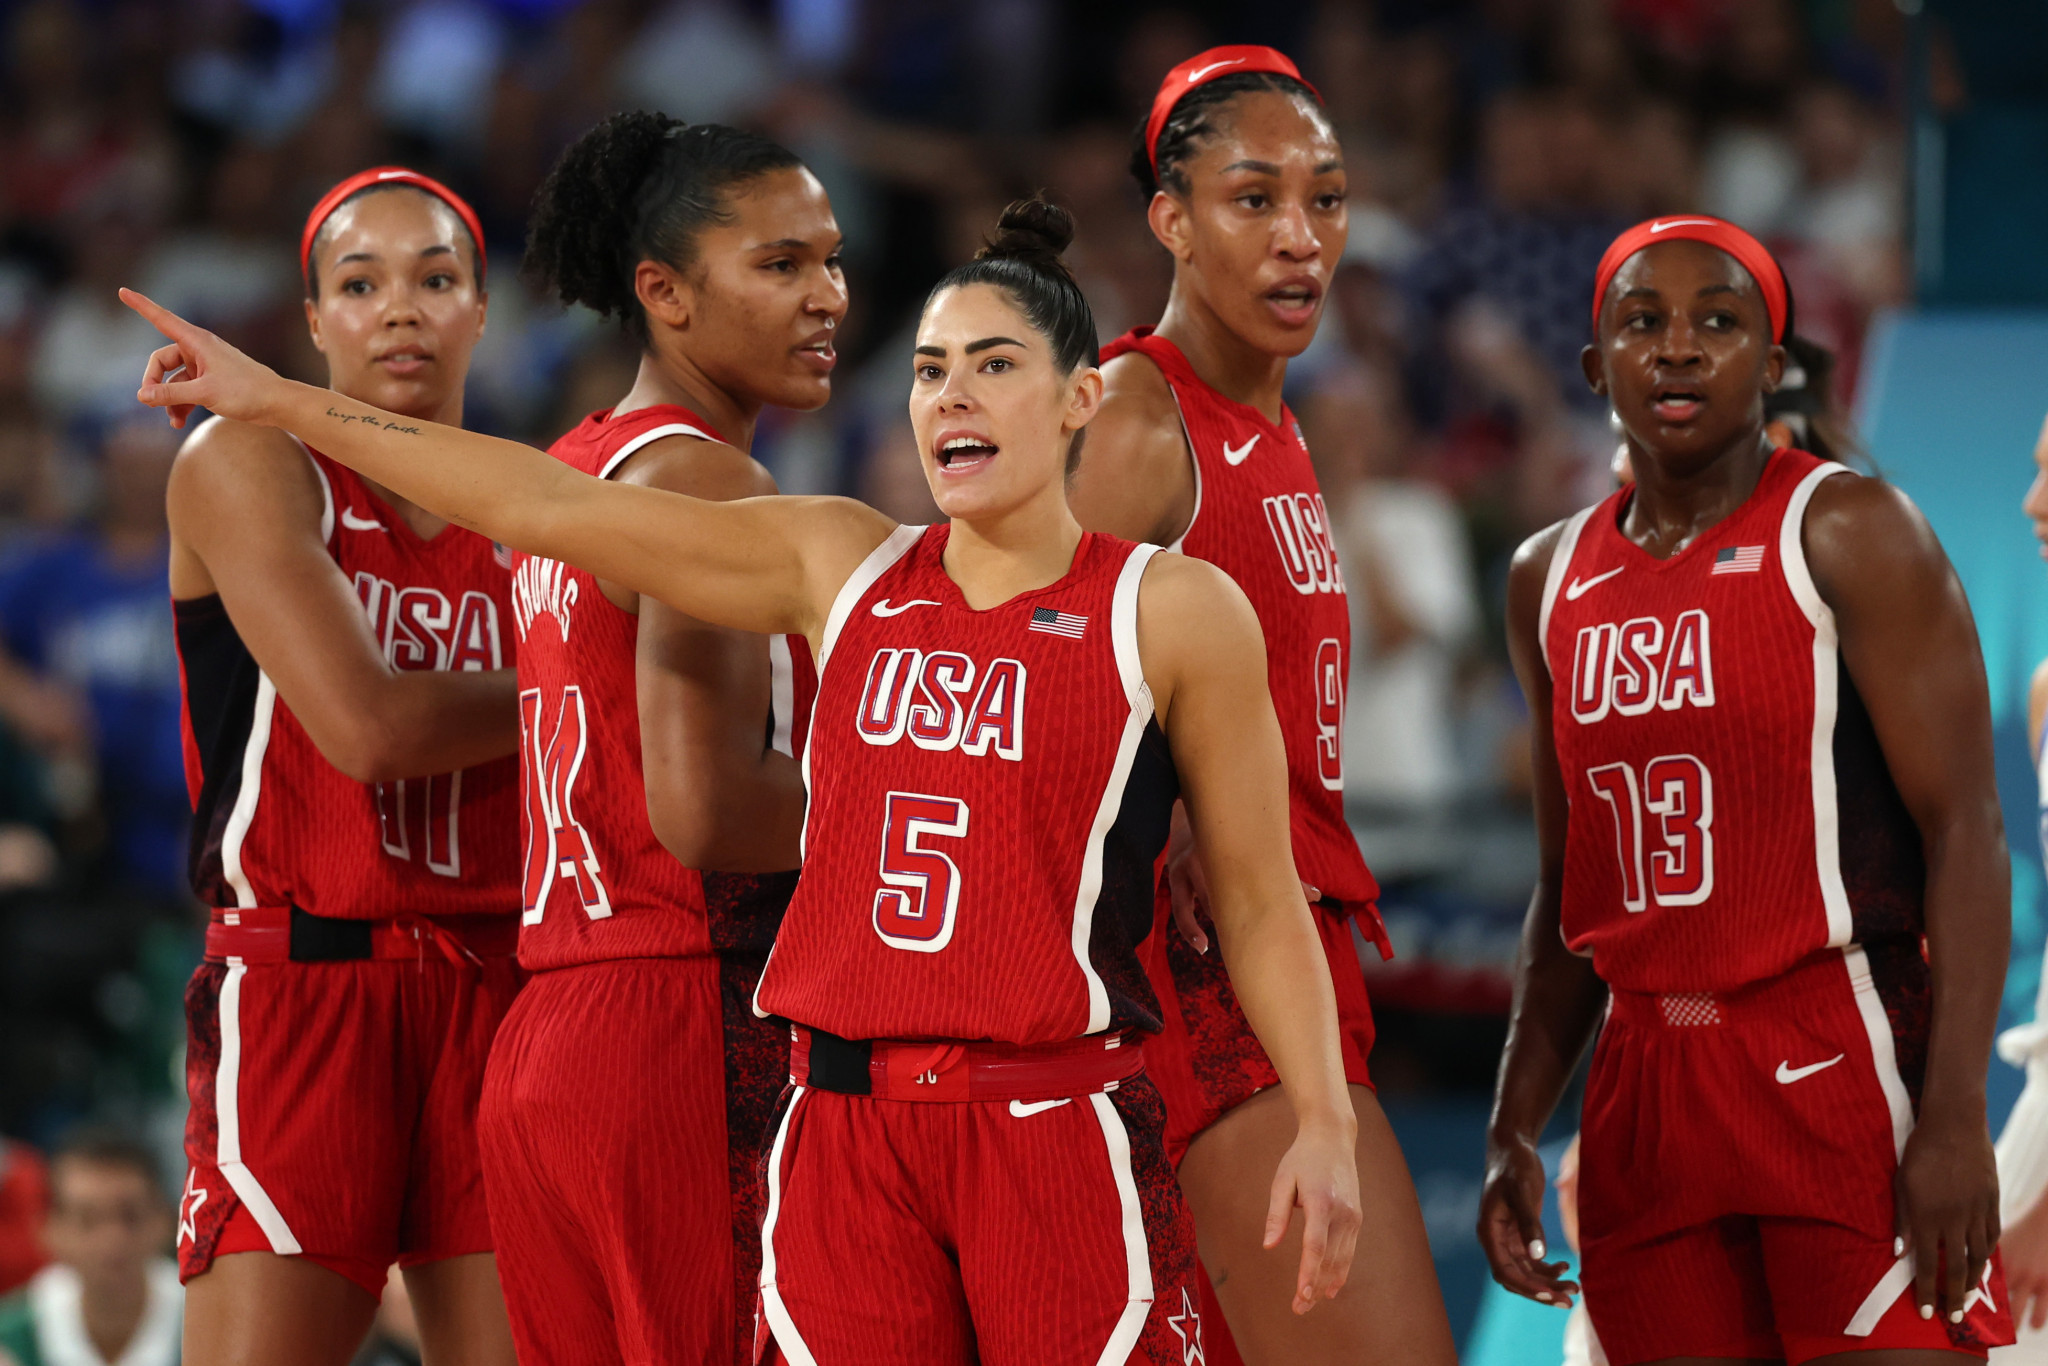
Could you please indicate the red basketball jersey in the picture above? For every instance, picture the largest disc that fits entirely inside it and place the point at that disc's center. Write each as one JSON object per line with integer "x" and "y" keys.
{"x": 988, "y": 794}
{"x": 1731, "y": 812}
{"x": 598, "y": 884}
{"x": 275, "y": 824}
{"x": 1259, "y": 517}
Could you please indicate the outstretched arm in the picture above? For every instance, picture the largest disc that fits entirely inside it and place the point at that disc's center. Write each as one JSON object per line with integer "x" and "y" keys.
{"x": 758, "y": 564}
{"x": 1911, "y": 648}
{"x": 1557, "y": 995}
{"x": 1205, "y": 661}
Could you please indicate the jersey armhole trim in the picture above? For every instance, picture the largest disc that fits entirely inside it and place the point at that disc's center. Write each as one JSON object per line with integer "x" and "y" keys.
{"x": 648, "y": 438}
{"x": 878, "y": 562}
{"x": 1792, "y": 547}
{"x": 1553, "y": 582}
{"x": 326, "y": 493}
{"x": 1194, "y": 461}
{"x": 1123, "y": 627}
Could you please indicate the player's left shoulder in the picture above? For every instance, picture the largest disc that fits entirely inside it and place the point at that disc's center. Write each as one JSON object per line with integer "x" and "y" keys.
{"x": 1861, "y": 531}
{"x": 699, "y": 467}
{"x": 1189, "y": 604}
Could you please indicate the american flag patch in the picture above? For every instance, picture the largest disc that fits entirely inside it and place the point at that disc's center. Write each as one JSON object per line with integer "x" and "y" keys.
{"x": 1739, "y": 559}
{"x": 1058, "y": 623}
{"x": 502, "y": 554}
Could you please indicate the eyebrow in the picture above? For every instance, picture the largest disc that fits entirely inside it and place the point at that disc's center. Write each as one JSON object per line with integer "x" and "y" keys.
{"x": 1263, "y": 167}
{"x": 439, "y": 249}
{"x": 986, "y": 342}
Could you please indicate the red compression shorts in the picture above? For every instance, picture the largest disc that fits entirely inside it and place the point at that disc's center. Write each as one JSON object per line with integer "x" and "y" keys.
{"x": 1034, "y": 1231}
{"x": 1736, "y": 1165}
{"x": 333, "y": 1103}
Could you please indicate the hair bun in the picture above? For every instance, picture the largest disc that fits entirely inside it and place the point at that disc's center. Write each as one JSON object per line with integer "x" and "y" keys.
{"x": 1034, "y": 229}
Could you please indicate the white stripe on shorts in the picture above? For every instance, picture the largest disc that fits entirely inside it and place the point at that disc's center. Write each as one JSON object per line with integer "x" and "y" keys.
{"x": 779, "y": 1322}
{"x": 1137, "y": 1256}
{"x": 227, "y": 1107}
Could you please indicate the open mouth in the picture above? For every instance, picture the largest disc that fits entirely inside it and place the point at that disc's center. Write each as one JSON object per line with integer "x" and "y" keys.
{"x": 406, "y": 360}
{"x": 819, "y": 355}
{"x": 1677, "y": 405}
{"x": 1295, "y": 300}
{"x": 959, "y": 454}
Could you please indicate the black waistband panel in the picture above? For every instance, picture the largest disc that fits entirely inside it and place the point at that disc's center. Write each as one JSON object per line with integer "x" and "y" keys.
{"x": 840, "y": 1065}
{"x": 324, "y": 939}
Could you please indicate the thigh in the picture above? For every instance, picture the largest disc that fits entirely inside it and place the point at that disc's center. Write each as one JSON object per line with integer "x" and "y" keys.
{"x": 263, "y": 1309}
{"x": 1391, "y": 1307}
{"x": 460, "y": 1310}
{"x": 302, "y": 1113}
{"x": 605, "y": 1150}
{"x": 455, "y": 1013}
{"x": 854, "y": 1264}
{"x": 1075, "y": 1245}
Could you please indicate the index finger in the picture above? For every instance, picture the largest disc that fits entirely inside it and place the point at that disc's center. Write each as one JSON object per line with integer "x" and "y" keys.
{"x": 1313, "y": 1274}
{"x": 159, "y": 317}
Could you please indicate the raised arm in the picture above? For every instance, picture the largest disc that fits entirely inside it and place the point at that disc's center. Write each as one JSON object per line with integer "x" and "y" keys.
{"x": 1205, "y": 662}
{"x": 718, "y": 794}
{"x": 1557, "y": 994}
{"x": 759, "y": 564}
{"x": 1911, "y": 649}
{"x": 245, "y": 510}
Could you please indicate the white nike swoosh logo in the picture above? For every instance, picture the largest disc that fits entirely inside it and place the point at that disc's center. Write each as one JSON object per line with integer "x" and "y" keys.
{"x": 1683, "y": 223}
{"x": 1237, "y": 456}
{"x": 1787, "y": 1073}
{"x": 1194, "y": 76}
{"x": 350, "y": 520}
{"x": 1578, "y": 588}
{"x": 884, "y": 609}
{"x": 1024, "y": 1111}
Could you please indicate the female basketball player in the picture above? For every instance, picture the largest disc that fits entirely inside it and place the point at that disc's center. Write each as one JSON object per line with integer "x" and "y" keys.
{"x": 1001, "y": 1176}
{"x": 1763, "y": 749}
{"x": 339, "y": 645}
{"x": 1195, "y": 449}
{"x": 628, "y": 1211}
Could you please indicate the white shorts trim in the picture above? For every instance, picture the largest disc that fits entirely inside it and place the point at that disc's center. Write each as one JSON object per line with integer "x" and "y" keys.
{"x": 227, "y": 1107}
{"x": 772, "y": 1307}
{"x": 1123, "y": 1340}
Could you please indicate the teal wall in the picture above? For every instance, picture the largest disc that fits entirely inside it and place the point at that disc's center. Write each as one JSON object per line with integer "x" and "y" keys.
{"x": 1951, "y": 404}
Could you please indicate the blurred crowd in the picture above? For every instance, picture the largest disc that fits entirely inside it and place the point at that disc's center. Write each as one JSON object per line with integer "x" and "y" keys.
{"x": 1493, "y": 149}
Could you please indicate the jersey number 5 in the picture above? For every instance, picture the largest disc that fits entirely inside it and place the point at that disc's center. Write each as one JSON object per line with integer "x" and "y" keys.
{"x": 920, "y": 892}
{"x": 1678, "y": 792}
{"x": 556, "y": 844}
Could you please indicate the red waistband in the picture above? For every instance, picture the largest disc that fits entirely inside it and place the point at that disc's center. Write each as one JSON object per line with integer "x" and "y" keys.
{"x": 941, "y": 1071}
{"x": 1773, "y": 998}
{"x": 265, "y": 934}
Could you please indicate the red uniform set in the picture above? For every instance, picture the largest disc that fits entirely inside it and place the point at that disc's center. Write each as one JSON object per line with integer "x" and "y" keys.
{"x": 1740, "y": 867}
{"x": 969, "y": 1163}
{"x": 359, "y": 955}
{"x": 632, "y": 1086}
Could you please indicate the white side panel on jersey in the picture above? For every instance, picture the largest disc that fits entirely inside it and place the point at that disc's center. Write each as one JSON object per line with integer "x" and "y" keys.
{"x": 857, "y": 585}
{"x": 249, "y": 793}
{"x": 227, "y": 1104}
{"x": 772, "y": 1307}
{"x": 648, "y": 438}
{"x": 1123, "y": 1340}
{"x": 782, "y": 695}
{"x": 1123, "y": 635}
{"x": 1827, "y": 833}
{"x": 1553, "y": 582}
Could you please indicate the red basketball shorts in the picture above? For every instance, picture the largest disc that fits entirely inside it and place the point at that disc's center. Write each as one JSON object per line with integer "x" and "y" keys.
{"x": 1206, "y": 1061}
{"x": 333, "y": 1111}
{"x": 1738, "y": 1150}
{"x": 1047, "y": 1233}
{"x": 604, "y": 1137}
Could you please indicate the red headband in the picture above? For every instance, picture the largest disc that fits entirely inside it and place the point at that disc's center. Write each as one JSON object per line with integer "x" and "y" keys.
{"x": 386, "y": 175}
{"x": 1761, "y": 265}
{"x": 1205, "y": 67}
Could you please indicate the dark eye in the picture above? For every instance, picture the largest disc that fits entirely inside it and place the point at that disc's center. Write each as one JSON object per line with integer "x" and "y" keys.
{"x": 440, "y": 279}
{"x": 355, "y": 285}
{"x": 1331, "y": 202}
{"x": 1255, "y": 200}
{"x": 1640, "y": 322}
{"x": 1721, "y": 322}
{"x": 835, "y": 262}
{"x": 782, "y": 265}
{"x": 998, "y": 365}
{"x": 927, "y": 372}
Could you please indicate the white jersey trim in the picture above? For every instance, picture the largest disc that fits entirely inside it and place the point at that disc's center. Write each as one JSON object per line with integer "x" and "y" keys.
{"x": 227, "y": 1105}
{"x": 1123, "y": 634}
{"x": 249, "y": 793}
{"x": 1553, "y": 582}
{"x": 1827, "y": 834}
{"x": 1123, "y": 1339}
{"x": 782, "y": 695}
{"x": 857, "y": 585}
{"x": 648, "y": 438}
{"x": 326, "y": 492}
{"x": 1194, "y": 460}
{"x": 772, "y": 1307}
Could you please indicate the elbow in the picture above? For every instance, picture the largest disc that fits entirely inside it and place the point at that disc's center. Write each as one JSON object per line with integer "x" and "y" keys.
{"x": 368, "y": 752}
{"x": 687, "y": 829}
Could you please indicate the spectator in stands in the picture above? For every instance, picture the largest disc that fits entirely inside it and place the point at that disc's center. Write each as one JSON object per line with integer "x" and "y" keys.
{"x": 110, "y": 1295}
{"x": 88, "y": 666}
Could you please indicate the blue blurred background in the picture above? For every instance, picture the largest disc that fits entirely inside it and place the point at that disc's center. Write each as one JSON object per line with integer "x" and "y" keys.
{"x": 1894, "y": 152}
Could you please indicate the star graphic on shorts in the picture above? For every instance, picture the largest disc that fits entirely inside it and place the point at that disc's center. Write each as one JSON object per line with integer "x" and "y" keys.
{"x": 1190, "y": 1335}
{"x": 188, "y": 1208}
{"x": 1982, "y": 1292}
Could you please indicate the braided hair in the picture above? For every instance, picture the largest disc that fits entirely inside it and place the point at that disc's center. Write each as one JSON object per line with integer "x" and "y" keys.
{"x": 1194, "y": 120}
{"x": 637, "y": 187}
